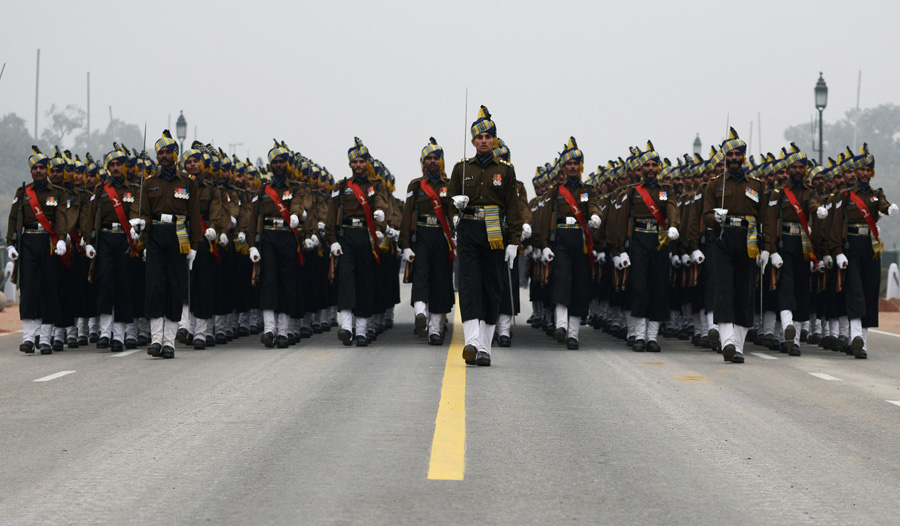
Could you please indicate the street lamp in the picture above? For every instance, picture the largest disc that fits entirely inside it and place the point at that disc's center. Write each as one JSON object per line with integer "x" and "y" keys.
{"x": 181, "y": 130}
{"x": 698, "y": 146}
{"x": 821, "y": 101}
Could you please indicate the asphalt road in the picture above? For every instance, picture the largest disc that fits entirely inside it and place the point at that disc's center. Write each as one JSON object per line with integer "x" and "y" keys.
{"x": 325, "y": 434}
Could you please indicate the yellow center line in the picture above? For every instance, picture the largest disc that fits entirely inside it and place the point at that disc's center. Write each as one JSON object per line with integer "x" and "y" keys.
{"x": 448, "y": 449}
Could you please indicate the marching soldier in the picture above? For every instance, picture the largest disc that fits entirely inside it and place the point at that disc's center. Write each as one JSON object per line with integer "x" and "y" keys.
{"x": 483, "y": 189}
{"x": 35, "y": 238}
{"x": 565, "y": 238}
{"x": 356, "y": 205}
{"x": 426, "y": 225}
{"x": 170, "y": 212}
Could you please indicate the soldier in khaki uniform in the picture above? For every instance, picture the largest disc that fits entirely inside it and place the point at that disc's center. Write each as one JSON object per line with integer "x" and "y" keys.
{"x": 565, "y": 238}
{"x": 354, "y": 229}
{"x": 651, "y": 221}
{"x": 735, "y": 220}
{"x": 857, "y": 248}
{"x": 170, "y": 212}
{"x": 427, "y": 244}
{"x": 483, "y": 189}
{"x": 40, "y": 206}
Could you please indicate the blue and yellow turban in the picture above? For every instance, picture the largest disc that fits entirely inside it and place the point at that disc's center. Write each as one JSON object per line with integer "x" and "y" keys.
{"x": 649, "y": 155}
{"x": 37, "y": 158}
{"x": 279, "y": 150}
{"x": 571, "y": 151}
{"x": 360, "y": 150}
{"x": 484, "y": 124}
{"x": 733, "y": 142}
{"x": 501, "y": 151}
{"x": 795, "y": 156}
{"x": 431, "y": 147}
{"x": 195, "y": 152}
{"x": 865, "y": 159}
{"x": 166, "y": 141}
{"x": 116, "y": 154}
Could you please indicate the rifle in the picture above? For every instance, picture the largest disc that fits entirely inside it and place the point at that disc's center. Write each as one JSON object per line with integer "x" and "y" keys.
{"x": 20, "y": 218}
{"x": 95, "y": 235}
{"x": 773, "y": 277}
{"x": 839, "y": 282}
{"x": 407, "y": 272}
{"x": 332, "y": 262}
{"x": 254, "y": 275}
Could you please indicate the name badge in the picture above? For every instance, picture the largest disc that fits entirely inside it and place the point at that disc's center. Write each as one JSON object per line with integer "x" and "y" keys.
{"x": 752, "y": 194}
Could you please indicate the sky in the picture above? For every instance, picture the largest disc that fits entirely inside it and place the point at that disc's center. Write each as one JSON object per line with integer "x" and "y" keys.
{"x": 612, "y": 74}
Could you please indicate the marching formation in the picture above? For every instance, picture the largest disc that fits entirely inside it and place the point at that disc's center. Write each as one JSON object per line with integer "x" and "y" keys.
{"x": 200, "y": 248}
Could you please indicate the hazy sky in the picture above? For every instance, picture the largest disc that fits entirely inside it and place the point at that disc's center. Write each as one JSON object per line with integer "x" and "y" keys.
{"x": 316, "y": 74}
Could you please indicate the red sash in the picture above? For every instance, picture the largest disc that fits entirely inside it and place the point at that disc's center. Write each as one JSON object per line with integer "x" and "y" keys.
{"x": 589, "y": 239}
{"x": 439, "y": 212}
{"x": 287, "y": 219}
{"x": 120, "y": 214}
{"x": 864, "y": 210}
{"x": 42, "y": 219}
{"x": 370, "y": 221}
{"x": 651, "y": 205}
{"x": 802, "y": 217}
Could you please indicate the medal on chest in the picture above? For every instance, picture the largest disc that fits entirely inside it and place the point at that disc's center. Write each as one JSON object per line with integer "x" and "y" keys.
{"x": 498, "y": 179}
{"x": 182, "y": 193}
{"x": 287, "y": 195}
{"x": 51, "y": 201}
{"x": 584, "y": 197}
{"x": 128, "y": 198}
{"x": 752, "y": 194}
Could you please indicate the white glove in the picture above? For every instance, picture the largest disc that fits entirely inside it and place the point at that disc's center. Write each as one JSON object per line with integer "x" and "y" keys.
{"x": 60, "y": 248}
{"x": 303, "y": 216}
{"x": 233, "y": 221}
{"x": 602, "y": 258}
{"x": 82, "y": 243}
{"x": 460, "y": 201}
{"x": 617, "y": 262}
{"x": 776, "y": 260}
{"x": 408, "y": 255}
{"x": 893, "y": 209}
{"x": 762, "y": 259}
{"x": 254, "y": 255}
{"x": 697, "y": 257}
{"x": 336, "y": 249}
{"x": 138, "y": 224}
{"x": 594, "y": 222}
{"x": 841, "y": 261}
{"x": 295, "y": 221}
{"x": 676, "y": 261}
{"x": 828, "y": 261}
{"x": 12, "y": 253}
{"x": 625, "y": 260}
{"x": 89, "y": 251}
{"x": 321, "y": 226}
{"x": 821, "y": 212}
{"x": 210, "y": 234}
{"x": 242, "y": 237}
{"x": 190, "y": 258}
{"x": 528, "y": 250}
{"x": 379, "y": 235}
{"x": 547, "y": 255}
{"x": 134, "y": 233}
{"x": 720, "y": 214}
{"x": 820, "y": 267}
{"x": 223, "y": 240}
{"x": 455, "y": 221}
{"x": 309, "y": 244}
{"x": 315, "y": 239}
{"x": 673, "y": 234}
{"x": 144, "y": 255}
{"x": 378, "y": 215}
{"x": 392, "y": 233}
{"x": 685, "y": 259}
{"x": 571, "y": 220}
{"x": 526, "y": 231}
{"x": 511, "y": 252}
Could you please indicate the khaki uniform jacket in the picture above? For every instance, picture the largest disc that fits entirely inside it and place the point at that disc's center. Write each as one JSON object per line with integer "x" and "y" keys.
{"x": 584, "y": 197}
{"x": 633, "y": 207}
{"x": 176, "y": 197}
{"x": 492, "y": 185}
{"x": 376, "y": 196}
{"x": 779, "y": 210}
{"x": 128, "y": 197}
{"x": 57, "y": 205}
{"x": 262, "y": 205}
{"x": 418, "y": 203}
{"x": 844, "y": 212}
{"x": 745, "y": 197}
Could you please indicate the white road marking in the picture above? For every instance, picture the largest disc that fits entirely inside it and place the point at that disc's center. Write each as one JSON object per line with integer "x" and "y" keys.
{"x": 54, "y": 376}
{"x": 124, "y": 353}
{"x": 824, "y": 376}
{"x": 876, "y": 331}
{"x": 763, "y": 355}
{"x": 895, "y": 402}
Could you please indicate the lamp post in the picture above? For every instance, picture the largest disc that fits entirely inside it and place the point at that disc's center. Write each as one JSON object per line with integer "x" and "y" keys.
{"x": 698, "y": 146}
{"x": 821, "y": 101}
{"x": 181, "y": 130}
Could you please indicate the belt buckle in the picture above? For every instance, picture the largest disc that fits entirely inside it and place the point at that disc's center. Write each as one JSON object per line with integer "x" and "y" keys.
{"x": 40, "y": 227}
{"x": 165, "y": 218}
{"x": 431, "y": 220}
{"x": 479, "y": 213}
{"x": 277, "y": 222}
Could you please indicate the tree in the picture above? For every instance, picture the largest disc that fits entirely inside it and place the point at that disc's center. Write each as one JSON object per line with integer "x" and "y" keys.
{"x": 129, "y": 135}
{"x": 62, "y": 124}
{"x": 15, "y": 147}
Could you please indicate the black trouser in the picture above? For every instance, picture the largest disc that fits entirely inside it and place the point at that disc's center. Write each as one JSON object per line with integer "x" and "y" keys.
{"x": 138, "y": 287}
{"x": 735, "y": 276}
{"x": 649, "y": 273}
{"x": 166, "y": 274}
{"x": 570, "y": 273}
{"x": 278, "y": 271}
{"x": 244, "y": 292}
{"x": 226, "y": 282}
{"x": 793, "y": 284}
{"x": 38, "y": 280}
{"x": 356, "y": 273}
{"x": 203, "y": 282}
{"x": 707, "y": 278}
{"x": 317, "y": 284}
{"x": 112, "y": 275}
{"x": 432, "y": 278}
{"x": 862, "y": 280}
{"x": 71, "y": 288}
{"x": 480, "y": 271}
{"x": 505, "y": 296}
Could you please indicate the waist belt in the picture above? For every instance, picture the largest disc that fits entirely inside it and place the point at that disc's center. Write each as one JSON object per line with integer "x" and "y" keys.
{"x": 167, "y": 219}
{"x": 858, "y": 229}
{"x": 428, "y": 220}
{"x": 275, "y": 223}
{"x": 34, "y": 228}
{"x": 473, "y": 212}
{"x": 112, "y": 228}
{"x": 356, "y": 222}
{"x": 737, "y": 221}
{"x": 565, "y": 225}
{"x": 791, "y": 228}
{"x": 649, "y": 226}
